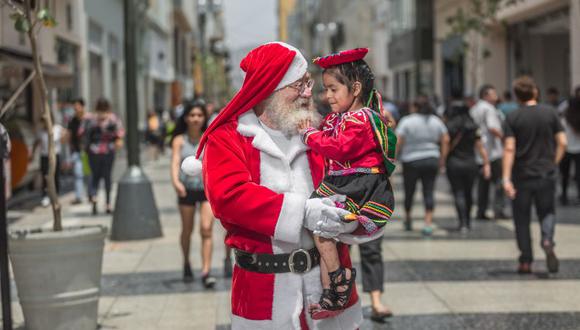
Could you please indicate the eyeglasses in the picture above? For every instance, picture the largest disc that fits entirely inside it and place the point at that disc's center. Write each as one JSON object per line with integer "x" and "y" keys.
{"x": 302, "y": 86}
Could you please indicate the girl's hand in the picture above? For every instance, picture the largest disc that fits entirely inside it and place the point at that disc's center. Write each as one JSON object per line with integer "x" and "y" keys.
{"x": 118, "y": 144}
{"x": 509, "y": 189}
{"x": 180, "y": 189}
{"x": 487, "y": 171}
{"x": 304, "y": 124}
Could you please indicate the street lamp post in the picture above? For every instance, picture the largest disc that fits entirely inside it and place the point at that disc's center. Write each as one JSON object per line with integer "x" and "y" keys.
{"x": 136, "y": 215}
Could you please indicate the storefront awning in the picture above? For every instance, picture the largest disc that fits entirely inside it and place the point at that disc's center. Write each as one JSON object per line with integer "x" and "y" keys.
{"x": 54, "y": 75}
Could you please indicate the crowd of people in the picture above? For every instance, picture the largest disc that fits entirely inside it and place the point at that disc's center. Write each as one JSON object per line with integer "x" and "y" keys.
{"x": 469, "y": 142}
{"x": 486, "y": 142}
{"x": 92, "y": 140}
{"x": 261, "y": 166}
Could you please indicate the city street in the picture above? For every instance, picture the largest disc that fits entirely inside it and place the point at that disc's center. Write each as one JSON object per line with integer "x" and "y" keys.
{"x": 94, "y": 91}
{"x": 448, "y": 281}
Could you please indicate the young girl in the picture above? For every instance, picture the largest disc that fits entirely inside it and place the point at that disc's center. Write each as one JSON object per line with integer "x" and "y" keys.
{"x": 359, "y": 148}
{"x": 190, "y": 190}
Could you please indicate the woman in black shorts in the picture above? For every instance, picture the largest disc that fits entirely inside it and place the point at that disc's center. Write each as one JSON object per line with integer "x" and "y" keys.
{"x": 188, "y": 131}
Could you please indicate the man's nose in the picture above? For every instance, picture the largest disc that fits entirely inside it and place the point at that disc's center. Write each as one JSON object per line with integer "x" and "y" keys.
{"x": 307, "y": 93}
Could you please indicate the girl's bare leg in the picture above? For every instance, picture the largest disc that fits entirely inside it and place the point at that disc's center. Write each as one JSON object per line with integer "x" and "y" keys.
{"x": 187, "y": 213}
{"x": 206, "y": 217}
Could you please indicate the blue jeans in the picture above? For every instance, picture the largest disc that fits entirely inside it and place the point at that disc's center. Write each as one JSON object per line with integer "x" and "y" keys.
{"x": 79, "y": 175}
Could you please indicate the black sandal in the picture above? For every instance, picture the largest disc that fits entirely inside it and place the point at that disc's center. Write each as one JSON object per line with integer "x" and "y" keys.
{"x": 332, "y": 301}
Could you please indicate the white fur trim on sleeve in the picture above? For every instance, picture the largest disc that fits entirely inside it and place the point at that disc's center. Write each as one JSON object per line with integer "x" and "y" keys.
{"x": 358, "y": 239}
{"x": 289, "y": 225}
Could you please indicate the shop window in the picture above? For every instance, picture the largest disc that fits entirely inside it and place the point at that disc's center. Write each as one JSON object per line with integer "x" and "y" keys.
{"x": 69, "y": 17}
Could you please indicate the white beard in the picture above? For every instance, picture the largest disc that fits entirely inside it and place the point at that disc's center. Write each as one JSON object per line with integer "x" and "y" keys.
{"x": 286, "y": 117}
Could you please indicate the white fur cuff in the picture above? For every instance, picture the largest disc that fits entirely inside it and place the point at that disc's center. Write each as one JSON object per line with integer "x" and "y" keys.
{"x": 289, "y": 225}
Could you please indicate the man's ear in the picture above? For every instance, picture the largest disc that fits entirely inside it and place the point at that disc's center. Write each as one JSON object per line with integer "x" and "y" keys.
{"x": 356, "y": 88}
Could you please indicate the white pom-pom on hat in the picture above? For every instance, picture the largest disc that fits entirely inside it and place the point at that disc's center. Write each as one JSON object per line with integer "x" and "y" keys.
{"x": 191, "y": 166}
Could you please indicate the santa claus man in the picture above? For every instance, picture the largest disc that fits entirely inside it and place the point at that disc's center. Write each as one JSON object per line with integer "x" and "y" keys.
{"x": 258, "y": 176}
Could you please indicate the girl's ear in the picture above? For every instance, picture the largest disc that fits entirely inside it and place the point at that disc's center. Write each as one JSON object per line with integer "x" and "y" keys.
{"x": 356, "y": 88}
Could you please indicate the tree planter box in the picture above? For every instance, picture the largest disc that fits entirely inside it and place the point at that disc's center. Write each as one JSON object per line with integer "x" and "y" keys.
{"x": 58, "y": 276}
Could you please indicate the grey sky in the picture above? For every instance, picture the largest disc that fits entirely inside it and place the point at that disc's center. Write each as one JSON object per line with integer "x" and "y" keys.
{"x": 249, "y": 23}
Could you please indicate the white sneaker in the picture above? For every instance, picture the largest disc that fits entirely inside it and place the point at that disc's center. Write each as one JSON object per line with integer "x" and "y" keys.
{"x": 45, "y": 201}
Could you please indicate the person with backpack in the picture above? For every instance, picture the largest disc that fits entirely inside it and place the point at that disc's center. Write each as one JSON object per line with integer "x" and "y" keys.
{"x": 462, "y": 167}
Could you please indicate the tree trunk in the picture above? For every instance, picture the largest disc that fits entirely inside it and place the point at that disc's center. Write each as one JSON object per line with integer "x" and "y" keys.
{"x": 47, "y": 117}
{"x": 17, "y": 93}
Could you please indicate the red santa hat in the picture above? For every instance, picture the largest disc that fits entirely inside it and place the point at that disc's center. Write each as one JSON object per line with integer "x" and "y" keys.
{"x": 268, "y": 68}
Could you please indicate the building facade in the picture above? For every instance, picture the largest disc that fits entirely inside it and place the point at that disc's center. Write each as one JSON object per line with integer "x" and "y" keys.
{"x": 411, "y": 48}
{"x": 103, "y": 59}
{"x": 540, "y": 38}
{"x": 62, "y": 60}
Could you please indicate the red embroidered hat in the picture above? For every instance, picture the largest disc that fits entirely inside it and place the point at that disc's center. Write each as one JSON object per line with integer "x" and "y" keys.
{"x": 345, "y": 56}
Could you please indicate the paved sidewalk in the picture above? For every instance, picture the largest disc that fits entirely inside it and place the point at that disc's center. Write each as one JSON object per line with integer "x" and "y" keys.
{"x": 448, "y": 281}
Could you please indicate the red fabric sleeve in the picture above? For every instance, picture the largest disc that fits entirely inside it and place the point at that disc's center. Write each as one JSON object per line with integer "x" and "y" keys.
{"x": 235, "y": 198}
{"x": 353, "y": 139}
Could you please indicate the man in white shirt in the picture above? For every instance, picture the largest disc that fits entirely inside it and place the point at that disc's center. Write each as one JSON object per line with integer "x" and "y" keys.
{"x": 487, "y": 117}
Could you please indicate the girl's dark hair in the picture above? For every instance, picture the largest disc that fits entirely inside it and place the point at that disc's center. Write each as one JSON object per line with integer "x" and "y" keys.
{"x": 351, "y": 72}
{"x": 458, "y": 119}
{"x": 423, "y": 105}
{"x": 181, "y": 125}
{"x": 103, "y": 105}
{"x": 572, "y": 114}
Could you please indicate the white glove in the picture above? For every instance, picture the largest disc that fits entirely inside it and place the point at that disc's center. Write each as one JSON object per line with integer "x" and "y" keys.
{"x": 323, "y": 218}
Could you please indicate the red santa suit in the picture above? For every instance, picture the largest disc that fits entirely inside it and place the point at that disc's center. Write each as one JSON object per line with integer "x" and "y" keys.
{"x": 259, "y": 193}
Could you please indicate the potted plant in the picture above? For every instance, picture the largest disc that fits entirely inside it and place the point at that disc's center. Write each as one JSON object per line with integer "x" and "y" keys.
{"x": 57, "y": 271}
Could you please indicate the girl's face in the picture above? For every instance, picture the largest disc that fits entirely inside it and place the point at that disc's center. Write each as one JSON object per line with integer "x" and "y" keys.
{"x": 195, "y": 118}
{"x": 337, "y": 94}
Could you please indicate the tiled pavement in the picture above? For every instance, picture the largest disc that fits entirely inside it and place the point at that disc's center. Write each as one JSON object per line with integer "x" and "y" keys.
{"x": 448, "y": 281}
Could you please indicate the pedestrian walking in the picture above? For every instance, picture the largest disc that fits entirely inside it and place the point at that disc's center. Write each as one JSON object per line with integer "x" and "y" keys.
{"x": 571, "y": 123}
{"x": 423, "y": 143}
{"x": 534, "y": 145}
{"x": 507, "y": 104}
{"x": 462, "y": 167}
{"x": 373, "y": 277}
{"x": 190, "y": 190}
{"x": 74, "y": 141}
{"x": 102, "y": 134}
{"x": 487, "y": 117}
{"x": 553, "y": 97}
{"x": 42, "y": 143}
{"x": 154, "y": 134}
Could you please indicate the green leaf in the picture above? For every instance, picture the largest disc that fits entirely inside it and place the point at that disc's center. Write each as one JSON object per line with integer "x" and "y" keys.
{"x": 43, "y": 14}
{"x": 15, "y": 16}
{"x": 49, "y": 22}
{"x": 21, "y": 25}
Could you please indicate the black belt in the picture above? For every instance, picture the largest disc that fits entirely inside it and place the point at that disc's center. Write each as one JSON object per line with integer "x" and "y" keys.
{"x": 298, "y": 261}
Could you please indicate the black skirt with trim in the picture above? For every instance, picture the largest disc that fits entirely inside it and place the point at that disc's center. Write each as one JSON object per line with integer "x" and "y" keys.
{"x": 370, "y": 195}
